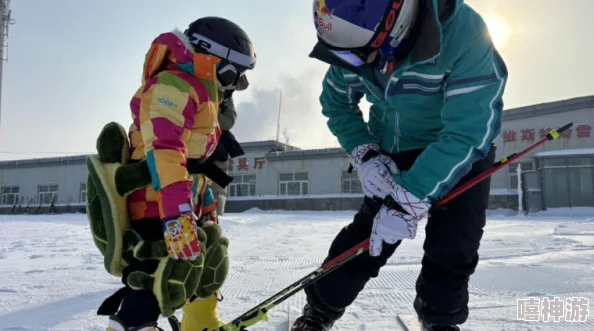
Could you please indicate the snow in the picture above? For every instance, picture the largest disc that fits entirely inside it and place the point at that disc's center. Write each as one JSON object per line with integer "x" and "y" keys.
{"x": 53, "y": 278}
{"x": 567, "y": 152}
{"x": 502, "y": 191}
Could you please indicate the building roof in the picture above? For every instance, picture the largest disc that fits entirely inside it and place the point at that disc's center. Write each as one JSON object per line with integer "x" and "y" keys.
{"x": 566, "y": 152}
{"x": 267, "y": 145}
{"x": 75, "y": 159}
{"x": 549, "y": 108}
{"x": 306, "y": 154}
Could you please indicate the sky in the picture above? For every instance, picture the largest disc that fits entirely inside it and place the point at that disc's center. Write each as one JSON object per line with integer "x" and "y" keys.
{"x": 74, "y": 65}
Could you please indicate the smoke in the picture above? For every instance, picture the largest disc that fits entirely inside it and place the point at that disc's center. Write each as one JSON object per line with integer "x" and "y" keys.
{"x": 301, "y": 118}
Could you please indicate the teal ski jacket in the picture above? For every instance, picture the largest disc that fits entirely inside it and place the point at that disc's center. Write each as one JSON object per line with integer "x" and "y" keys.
{"x": 445, "y": 98}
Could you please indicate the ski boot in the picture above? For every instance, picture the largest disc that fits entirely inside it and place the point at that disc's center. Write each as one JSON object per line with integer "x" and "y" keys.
{"x": 314, "y": 319}
{"x": 115, "y": 324}
{"x": 201, "y": 314}
{"x": 423, "y": 308}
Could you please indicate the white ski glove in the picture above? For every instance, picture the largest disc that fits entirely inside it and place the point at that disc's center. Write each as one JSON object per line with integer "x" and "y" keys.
{"x": 375, "y": 170}
{"x": 390, "y": 225}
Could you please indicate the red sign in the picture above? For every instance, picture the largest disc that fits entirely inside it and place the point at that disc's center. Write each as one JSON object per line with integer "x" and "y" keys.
{"x": 583, "y": 130}
{"x": 243, "y": 165}
{"x": 528, "y": 134}
{"x": 509, "y": 135}
{"x": 258, "y": 162}
{"x": 544, "y": 131}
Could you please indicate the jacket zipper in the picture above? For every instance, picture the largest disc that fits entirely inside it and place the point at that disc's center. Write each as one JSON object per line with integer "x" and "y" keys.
{"x": 397, "y": 116}
{"x": 395, "y": 145}
{"x": 385, "y": 99}
{"x": 370, "y": 89}
{"x": 397, "y": 135}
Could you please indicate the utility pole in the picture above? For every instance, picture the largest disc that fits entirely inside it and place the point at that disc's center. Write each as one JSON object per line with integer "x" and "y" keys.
{"x": 5, "y": 21}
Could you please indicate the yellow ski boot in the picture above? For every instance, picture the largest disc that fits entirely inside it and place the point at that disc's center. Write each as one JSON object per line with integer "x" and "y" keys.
{"x": 116, "y": 325}
{"x": 201, "y": 314}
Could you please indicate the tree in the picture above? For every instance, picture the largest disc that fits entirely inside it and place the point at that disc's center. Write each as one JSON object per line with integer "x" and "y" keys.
{"x": 286, "y": 136}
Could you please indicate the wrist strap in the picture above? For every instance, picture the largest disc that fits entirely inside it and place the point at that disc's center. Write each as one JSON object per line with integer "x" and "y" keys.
{"x": 370, "y": 154}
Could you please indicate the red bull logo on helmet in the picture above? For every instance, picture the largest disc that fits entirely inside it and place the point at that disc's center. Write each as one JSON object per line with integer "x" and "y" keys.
{"x": 323, "y": 15}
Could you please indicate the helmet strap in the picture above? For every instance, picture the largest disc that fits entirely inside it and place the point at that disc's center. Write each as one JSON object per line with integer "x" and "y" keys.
{"x": 388, "y": 67}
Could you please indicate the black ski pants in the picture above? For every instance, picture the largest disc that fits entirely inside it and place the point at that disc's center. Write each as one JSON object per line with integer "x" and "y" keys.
{"x": 139, "y": 307}
{"x": 453, "y": 235}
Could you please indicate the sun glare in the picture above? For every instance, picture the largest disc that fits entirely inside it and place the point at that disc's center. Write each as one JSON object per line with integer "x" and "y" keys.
{"x": 499, "y": 29}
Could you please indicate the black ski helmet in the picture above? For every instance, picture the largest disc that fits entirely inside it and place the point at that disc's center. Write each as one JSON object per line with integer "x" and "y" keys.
{"x": 224, "y": 39}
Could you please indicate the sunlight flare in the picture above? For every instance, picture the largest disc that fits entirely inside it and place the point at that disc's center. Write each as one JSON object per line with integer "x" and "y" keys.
{"x": 499, "y": 29}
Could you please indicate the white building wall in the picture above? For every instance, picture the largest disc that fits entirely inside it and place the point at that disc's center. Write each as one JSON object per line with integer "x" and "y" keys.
{"x": 68, "y": 177}
{"x": 581, "y": 118}
{"x": 324, "y": 174}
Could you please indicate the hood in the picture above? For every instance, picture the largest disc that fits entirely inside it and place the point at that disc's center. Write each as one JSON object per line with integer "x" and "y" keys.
{"x": 173, "y": 51}
{"x": 448, "y": 9}
{"x": 436, "y": 14}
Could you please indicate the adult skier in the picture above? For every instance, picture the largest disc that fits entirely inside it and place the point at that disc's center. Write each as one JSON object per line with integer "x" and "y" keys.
{"x": 435, "y": 82}
{"x": 175, "y": 254}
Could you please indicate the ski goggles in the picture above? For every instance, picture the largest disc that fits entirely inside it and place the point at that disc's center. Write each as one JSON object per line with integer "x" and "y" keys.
{"x": 353, "y": 58}
{"x": 230, "y": 77}
{"x": 233, "y": 66}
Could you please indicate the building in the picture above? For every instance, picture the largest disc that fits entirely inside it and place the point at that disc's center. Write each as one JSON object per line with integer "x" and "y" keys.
{"x": 272, "y": 175}
{"x": 558, "y": 174}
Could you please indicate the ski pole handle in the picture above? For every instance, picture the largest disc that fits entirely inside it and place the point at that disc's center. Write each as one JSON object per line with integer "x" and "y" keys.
{"x": 556, "y": 133}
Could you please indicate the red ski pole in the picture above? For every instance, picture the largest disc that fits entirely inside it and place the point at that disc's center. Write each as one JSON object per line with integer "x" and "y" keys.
{"x": 258, "y": 313}
{"x": 390, "y": 203}
{"x": 503, "y": 163}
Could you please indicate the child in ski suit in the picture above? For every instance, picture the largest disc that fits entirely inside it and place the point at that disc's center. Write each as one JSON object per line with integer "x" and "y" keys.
{"x": 174, "y": 131}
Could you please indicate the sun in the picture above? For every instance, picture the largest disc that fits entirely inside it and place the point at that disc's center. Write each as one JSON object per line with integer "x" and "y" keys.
{"x": 499, "y": 29}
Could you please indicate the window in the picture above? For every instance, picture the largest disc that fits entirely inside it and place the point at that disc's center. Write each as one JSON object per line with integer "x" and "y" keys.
{"x": 293, "y": 183}
{"x": 513, "y": 175}
{"x": 557, "y": 187}
{"x": 10, "y": 195}
{"x": 83, "y": 193}
{"x": 554, "y": 162}
{"x": 242, "y": 186}
{"x": 579, "y": 162}
{"x": 47, "y": 193}
{"x": 350, "y": 182}
{"x": 568, "y": 181}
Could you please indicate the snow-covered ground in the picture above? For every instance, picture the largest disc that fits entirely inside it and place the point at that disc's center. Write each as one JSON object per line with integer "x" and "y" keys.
{"x": 51, "y": 274}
